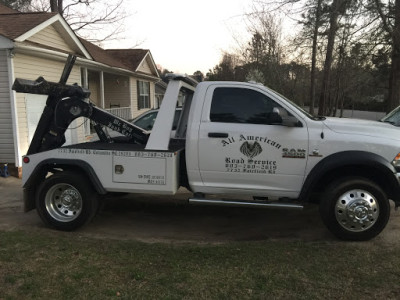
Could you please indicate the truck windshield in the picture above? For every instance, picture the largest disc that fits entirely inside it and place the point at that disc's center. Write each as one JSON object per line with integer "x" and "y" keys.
{"x": 393, "y": 117}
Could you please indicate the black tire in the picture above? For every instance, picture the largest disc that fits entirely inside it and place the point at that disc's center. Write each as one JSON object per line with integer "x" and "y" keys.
{"x": 66, "y": 201}
{"x": 354, "y": 209}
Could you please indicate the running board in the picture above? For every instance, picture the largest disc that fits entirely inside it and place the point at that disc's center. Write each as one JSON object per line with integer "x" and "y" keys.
{"x": 240, "y": 203}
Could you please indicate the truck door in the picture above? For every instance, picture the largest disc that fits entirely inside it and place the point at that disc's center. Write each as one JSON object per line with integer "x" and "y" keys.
{"x": 242, "y": 146}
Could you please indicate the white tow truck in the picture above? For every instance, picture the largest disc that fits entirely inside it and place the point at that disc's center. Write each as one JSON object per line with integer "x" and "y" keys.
{"x": 232, "y": 138}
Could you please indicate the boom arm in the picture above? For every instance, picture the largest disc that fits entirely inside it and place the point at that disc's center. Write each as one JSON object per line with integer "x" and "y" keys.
{"x": 64, "y": 104}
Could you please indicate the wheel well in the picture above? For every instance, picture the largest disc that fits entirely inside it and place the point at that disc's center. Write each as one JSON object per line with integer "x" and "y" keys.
{"x": 374, "y": 174}
{"x": 80, "y": 169}
{"x": 52, "y": 166}
{"x": 43, "y": 171}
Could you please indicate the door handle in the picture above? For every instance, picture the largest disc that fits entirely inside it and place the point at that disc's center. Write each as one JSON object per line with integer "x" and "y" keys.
{"x": 218, "y": 135}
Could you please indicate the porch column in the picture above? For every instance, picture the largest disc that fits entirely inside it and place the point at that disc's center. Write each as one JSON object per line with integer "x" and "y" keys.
{"x": 102, "y": 101}
{"x": 153, "y": 94}
{"x": 14, "y": 113}
{"x": 85, "y": 84}
{"x": 130, "y": 97}
{"x": 85, "y": 80}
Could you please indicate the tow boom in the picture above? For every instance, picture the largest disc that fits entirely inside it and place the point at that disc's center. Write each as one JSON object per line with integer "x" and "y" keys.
{"x": 64, "y": 104}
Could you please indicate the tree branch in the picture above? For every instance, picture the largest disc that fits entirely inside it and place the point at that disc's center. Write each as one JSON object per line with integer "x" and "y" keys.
{"x": 386, "y": 25}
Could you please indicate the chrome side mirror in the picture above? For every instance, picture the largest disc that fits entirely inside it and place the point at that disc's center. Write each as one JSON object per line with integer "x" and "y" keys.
{"x": 287, "y": 120}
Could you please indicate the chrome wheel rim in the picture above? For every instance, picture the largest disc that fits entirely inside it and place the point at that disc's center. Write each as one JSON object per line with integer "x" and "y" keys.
{"x": 357, "y": 210}
{"x": 63, "y": 202}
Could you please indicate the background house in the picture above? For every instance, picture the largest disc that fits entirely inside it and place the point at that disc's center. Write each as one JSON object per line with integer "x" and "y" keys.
{"x": 37, "y": 44}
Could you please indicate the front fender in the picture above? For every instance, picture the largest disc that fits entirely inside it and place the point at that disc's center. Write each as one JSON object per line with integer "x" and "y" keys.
{"x": 351, "y": 163}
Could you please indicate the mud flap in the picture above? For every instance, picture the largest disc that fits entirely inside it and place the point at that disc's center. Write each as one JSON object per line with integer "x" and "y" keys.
{"x": 29, "y": 199}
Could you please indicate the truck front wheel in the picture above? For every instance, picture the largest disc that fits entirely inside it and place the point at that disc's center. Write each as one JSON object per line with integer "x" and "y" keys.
{"x": 66, "y": 201}
{"x": 354, "y": 209}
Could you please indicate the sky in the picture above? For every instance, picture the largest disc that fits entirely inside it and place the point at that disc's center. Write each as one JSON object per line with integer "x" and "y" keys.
{"x": 184, "y": 36}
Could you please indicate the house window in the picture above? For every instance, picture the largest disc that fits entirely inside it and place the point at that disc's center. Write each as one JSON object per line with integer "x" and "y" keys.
{"x": 143, "y": 94}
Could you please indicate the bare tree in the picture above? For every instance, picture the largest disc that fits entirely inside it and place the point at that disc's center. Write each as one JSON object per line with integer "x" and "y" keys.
{"x": 56, "y": 6}
{"x": 308, "y": 13}
{"x": 389, "y": 13}
{"x": 338, "y": 7}
{"x": 20, "y": 5}
{"x": 94, "y": 20}
{"x": 226, "y": 69}
{"x": 317, "y": 21}
{"x": 266, "y": 31}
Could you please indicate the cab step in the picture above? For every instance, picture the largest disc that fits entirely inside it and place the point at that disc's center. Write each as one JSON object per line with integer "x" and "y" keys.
{"x": 242, "y": 203}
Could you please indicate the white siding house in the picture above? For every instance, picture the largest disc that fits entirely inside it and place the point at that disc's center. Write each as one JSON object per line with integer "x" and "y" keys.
{"x": 38, "y": 44}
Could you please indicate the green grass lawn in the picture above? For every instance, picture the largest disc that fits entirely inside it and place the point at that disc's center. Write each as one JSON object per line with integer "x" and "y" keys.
{"x": 66, "y": 266}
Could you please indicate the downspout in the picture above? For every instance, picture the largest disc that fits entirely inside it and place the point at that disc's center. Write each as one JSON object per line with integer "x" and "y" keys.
{"x": 14, "y": 113}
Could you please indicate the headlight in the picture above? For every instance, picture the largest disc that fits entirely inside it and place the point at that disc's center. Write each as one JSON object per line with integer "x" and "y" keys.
{"x": 396, "y": 161}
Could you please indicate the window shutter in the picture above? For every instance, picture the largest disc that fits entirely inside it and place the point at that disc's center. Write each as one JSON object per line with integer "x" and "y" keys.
{"x": 148, "y": 92}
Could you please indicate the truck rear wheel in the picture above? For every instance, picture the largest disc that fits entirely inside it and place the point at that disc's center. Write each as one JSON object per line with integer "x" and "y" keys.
{"x": 66, "y": 201}
{"x": 354, "y": 208}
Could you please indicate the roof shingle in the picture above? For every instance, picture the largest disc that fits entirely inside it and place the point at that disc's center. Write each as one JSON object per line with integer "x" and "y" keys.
{"x": 99, "y": 54}
{"x": 6, "y": 10}
{"x": 130, "y": 57}
{"x": 15, "y": 24}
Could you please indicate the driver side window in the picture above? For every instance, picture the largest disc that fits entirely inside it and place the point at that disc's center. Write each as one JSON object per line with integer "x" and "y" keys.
{"x": 240, "y": 105}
